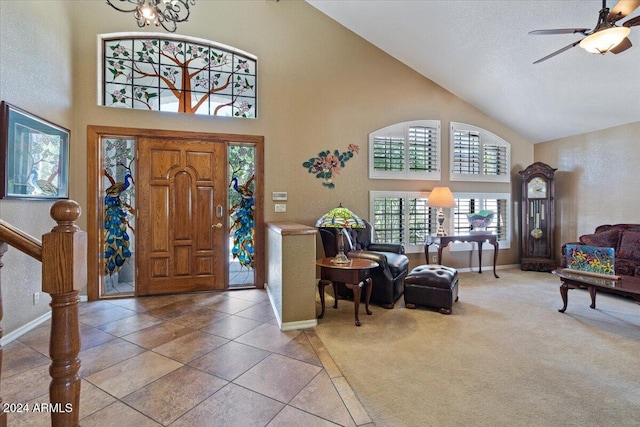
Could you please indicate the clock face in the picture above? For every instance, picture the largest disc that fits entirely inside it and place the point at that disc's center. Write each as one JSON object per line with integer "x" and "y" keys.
{"x": 537, "y": 188}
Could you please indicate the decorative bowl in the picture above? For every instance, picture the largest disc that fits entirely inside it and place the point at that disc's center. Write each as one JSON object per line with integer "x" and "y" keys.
{"x": 481, "y": 219}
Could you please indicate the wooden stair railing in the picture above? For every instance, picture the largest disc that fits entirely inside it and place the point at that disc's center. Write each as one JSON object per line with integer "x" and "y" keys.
{"x": 63, "y": 253}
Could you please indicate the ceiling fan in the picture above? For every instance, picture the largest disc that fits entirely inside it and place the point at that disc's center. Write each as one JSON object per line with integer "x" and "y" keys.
{"x": 606, "y": 36}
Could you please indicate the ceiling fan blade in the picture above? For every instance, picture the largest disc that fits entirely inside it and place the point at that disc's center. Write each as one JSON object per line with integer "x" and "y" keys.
{"x": 622, "y": 46}
{"x": 551, "y": 55}
{"x": 632, "y": 22}
{"x": 622, "y": 9}
{"x": 561, "y": 31}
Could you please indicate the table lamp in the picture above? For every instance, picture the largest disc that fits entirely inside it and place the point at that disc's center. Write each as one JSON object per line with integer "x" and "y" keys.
{"x": 441, "y": 197}
{"x": 341, "y": 218}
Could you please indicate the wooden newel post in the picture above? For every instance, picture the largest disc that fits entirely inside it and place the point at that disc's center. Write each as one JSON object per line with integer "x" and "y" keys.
{"x": 64, "y": 274}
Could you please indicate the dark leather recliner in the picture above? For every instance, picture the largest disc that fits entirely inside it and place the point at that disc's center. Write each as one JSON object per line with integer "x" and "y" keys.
{"x": 387, "y": 278}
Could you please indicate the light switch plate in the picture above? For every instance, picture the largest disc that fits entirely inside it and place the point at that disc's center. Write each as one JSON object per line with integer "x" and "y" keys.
{"x": 281, "y": 207}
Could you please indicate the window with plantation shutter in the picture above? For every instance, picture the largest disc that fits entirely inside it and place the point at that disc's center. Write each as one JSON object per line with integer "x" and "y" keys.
{"x": 409, "y": 150}
{"x": 388, "y": 218}
{"x": 478, "y": 155}
{"x": 402, "y": 217}
{"x": 466, "y": 152}
{"x": 388, "y": 154}
{"x": 466, "y": 203}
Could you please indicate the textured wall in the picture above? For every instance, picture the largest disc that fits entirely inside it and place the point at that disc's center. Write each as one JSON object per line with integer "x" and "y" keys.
{"x": 596, "y": 180}
{"x": 274, "y": 247}
{"x": 35, "y": 75}
{"x": 320, "y": 87}
{"x": 291, "y": 284}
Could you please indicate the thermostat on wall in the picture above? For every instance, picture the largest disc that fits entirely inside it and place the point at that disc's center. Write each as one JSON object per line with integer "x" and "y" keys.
{"x": 279, "y": 195}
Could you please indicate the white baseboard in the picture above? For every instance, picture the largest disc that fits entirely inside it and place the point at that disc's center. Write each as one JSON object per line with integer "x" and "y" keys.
{"x": 506, "y": 267}
{"x": 487, "y": 268}
{"x": 290, "y": 326}
{"x": 302, "y": 324}
{"x": 14, "y": 335}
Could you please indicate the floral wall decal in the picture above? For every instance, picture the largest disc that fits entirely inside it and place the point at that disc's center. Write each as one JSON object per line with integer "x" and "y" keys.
{"x": 328, "y": 164}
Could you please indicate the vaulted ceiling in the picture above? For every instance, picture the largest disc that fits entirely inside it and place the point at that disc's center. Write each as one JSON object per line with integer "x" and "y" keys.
{"x": 480, "y": 50}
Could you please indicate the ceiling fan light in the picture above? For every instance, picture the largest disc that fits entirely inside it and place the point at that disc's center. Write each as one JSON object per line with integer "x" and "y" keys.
{"x": 604, "y": 40}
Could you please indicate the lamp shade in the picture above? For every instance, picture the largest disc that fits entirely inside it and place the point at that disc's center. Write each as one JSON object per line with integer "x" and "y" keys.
{"x": 340, "y": 217}
{"x": 441, "y": 197}
{"x": 604, "y": 40}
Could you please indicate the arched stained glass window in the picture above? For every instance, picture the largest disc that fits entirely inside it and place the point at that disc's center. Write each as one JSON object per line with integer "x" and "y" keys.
{"x": 154, "y": 71}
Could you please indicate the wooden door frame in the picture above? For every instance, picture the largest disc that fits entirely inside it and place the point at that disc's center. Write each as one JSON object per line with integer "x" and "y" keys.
{"x": 95, "y": 190}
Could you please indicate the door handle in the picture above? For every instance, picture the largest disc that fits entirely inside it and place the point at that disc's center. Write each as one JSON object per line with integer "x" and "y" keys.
{"x": 218, "y": 225}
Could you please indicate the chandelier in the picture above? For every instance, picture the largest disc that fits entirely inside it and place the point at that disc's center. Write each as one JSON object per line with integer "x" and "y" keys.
{"x": 158, "y": 12}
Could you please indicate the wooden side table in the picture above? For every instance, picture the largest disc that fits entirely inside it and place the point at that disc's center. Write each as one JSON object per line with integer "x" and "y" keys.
{"x": 442, "y": 242}
{"x": 354, "y": 275}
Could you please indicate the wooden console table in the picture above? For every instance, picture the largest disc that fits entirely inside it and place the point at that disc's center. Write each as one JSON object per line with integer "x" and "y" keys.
{"x": 442, "y": 242}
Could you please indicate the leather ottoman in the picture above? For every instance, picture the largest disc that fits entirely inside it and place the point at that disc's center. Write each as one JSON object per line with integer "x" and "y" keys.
{"x": 432, "y": 286}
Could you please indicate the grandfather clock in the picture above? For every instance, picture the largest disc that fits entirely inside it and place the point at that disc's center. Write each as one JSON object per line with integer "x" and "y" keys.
{"x": 538, "y": 218}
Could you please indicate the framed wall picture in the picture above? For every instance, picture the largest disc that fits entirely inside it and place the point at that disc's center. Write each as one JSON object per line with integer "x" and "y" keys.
{"x": 35, "y": 152}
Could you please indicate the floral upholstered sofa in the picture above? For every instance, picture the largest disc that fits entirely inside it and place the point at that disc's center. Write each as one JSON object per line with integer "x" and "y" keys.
{"x": 624, "y": 238}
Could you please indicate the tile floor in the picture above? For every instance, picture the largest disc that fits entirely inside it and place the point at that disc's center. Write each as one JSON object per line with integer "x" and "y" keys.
{"x": 207, "y": 359}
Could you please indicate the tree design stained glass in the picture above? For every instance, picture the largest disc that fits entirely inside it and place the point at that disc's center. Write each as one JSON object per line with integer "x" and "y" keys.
{"x": 178, "y": 74}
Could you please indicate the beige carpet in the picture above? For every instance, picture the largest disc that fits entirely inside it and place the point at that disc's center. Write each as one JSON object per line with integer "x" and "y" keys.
{"x": 505, "y": 357}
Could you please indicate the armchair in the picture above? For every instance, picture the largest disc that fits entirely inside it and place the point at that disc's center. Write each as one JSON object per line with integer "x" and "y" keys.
{"x": 387, "y": 278}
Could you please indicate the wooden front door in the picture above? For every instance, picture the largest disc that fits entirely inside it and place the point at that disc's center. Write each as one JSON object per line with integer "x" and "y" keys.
{"x": 181, "y": 199}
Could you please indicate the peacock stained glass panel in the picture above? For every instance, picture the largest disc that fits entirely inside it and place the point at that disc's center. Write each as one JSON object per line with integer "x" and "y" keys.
{"x": 119, "y": 214}
{"x": 241, "y": 214}
{"x": 178, "y": 74}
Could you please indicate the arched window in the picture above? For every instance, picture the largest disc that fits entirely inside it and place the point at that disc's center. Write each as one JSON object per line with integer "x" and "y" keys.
{"x": 154, "y": 71}
{"x": 408, "y": 150}
{"x": 478, "y": 155}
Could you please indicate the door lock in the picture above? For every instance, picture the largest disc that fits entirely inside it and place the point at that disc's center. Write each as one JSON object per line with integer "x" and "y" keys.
{"x": 218, "y": 225}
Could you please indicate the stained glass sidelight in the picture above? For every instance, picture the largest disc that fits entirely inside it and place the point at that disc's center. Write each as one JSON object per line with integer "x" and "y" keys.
{"x": 241, "y": 214}
{"x": 178, "y": 74}
{"x": 118, "y": 215}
